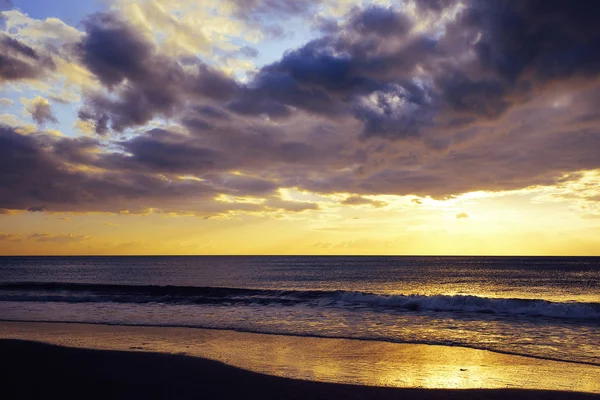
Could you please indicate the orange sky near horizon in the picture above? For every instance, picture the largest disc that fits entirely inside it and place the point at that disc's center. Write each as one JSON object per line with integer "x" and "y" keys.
{"x": 542, "y": 221}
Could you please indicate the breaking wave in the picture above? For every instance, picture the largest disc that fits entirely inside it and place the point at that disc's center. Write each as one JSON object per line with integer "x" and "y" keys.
{"x": 84, "y": 293}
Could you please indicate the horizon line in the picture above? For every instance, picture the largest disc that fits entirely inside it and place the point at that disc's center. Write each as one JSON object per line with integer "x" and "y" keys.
{"x": 292, "y": 255}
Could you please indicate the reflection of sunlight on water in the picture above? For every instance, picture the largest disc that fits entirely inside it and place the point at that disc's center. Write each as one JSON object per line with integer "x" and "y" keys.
{"x": 541, "y": 337}
{"x": 331, "y": 360}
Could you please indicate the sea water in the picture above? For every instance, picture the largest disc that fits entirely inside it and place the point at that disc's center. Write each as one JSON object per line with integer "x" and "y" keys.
{"x": 546, "y": 307}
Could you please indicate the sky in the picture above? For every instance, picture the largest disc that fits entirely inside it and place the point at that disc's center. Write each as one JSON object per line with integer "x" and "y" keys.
{"x": 430, "y": 127}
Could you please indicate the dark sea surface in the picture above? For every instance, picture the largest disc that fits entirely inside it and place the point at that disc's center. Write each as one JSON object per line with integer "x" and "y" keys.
{"x": 546, "y": 307}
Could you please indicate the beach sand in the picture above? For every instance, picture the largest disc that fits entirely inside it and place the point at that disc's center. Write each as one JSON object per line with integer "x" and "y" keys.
{"x": 148, "y": 362}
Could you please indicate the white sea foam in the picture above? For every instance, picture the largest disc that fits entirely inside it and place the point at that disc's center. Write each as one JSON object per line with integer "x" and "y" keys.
{"x": 85, "y": 293}
{"x": 476, "y": 304}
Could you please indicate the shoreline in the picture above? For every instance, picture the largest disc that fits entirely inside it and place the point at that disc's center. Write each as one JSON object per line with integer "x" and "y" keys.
{"x": 339, "y": 361}
{"x": 506, "y": 353}
{"x": 37, "y": 370}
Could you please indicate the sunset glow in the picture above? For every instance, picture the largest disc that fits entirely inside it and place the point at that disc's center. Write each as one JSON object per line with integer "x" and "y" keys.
{"x": 304, "y": 127}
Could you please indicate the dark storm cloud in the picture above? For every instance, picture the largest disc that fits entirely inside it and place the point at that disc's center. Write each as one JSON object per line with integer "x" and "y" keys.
{"x": 331, "y": 75}
{"x": 493, "y": 165}
{"x": 14, "y": 46}
{"x": 32, "y": 173}
{"x": 381, "y": 21}
{"x": 212, "y": 84}
{"x": 371, "y": 107}
{"x": 312, "y": 78}
{"x": 79, "y": 150}
{"x": 32, "y": 176}
{"x": 273, "y": 94}
{"x": 546, "y": 39}
{"x": 207, "y": 111}
{"x": 434, "y": 5}
{"x": 196, "y": 124}
{"x": 19, "y": 61}
{"x": 315, "y": 65}
{"x": 165, "y": 151}
{"x": 114, "y": 51}
{"x": 147, "y": 83}
{"x": 202, "y": 118}
{"x": 212, "y": 154}
{"x": 43, "y": 173}
{"x": 116, "y": 54}
{"x": 477, "y": 98}
{"x": 395, "y": 111}
{"x": 434, "y": 97}
{"x": 519, "y": 46}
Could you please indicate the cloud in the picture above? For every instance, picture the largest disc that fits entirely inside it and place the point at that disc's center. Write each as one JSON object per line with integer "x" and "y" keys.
{"x": 40, "y": 110}
{"x": 37, "y": 209}
{"x": 248, "y": 51}
{"x": 462, "y": 215}
{"x": 358, "y": 200}
{"x": 35, "y": 31}
{"x": 293, "y": 206}
{"x": 19, "y": 61}
{"x": 172, "y": 152}
{"x": 145, "y": 83}
{"x": 309, "y": 78}
{"x": 4, "y": 102}
{"x": 67, "y": 174}
{"x": 58, "y": 238}
{"x": 552, "y": 40}
{"x": 399, "y": 81}
{"x": 10, "y": 237}
{"x": 180, "y": 35}
{"x": 273, "y": 8}
{"x": 380, "y": 21}
{"x": 270, "y": 16}
{"x": 55, "y": 72}
{"x": 436, "y": 102}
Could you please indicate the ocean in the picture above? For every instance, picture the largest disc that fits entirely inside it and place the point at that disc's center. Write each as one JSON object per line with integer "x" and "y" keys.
{"x": 545, "y": 307}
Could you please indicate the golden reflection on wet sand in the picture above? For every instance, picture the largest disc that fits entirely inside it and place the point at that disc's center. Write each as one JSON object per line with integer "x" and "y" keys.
{"x": 330, "y": 360}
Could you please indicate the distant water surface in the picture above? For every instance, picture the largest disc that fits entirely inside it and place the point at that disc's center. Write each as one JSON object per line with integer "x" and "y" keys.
{"x": 547, "y": 307}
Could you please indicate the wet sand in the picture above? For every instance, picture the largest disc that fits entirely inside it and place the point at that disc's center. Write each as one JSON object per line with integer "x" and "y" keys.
{"x": 34, "y": 370}
{"x": 148, "y": 362}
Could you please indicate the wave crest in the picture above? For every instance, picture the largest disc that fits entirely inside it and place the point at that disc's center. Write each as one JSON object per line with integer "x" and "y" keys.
{"x": 82, "y": 293}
